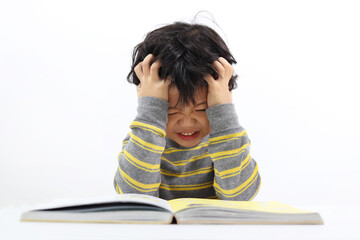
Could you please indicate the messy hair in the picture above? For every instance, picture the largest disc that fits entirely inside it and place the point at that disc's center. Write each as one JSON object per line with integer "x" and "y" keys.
{"x": 186, "y": 52}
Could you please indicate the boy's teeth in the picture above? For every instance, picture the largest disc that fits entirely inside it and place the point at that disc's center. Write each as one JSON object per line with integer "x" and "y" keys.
{"x": 187, "y": 134}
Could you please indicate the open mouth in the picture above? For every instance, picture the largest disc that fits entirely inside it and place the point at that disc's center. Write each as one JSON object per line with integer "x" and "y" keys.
{"x": 188, "y": 135}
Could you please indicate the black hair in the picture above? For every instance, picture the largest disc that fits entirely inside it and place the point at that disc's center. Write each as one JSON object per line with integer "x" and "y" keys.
{"x": 186, "y": 52}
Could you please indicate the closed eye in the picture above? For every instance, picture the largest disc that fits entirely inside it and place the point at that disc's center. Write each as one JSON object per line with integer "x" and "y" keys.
{"x": 201, "y": 110}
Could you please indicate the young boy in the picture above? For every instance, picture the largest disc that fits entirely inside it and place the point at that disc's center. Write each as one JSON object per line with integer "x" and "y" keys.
{"x": 186, "y": 140}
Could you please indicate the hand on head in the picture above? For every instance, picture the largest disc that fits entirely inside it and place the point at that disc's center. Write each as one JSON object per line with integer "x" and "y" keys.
{"x": 218, "y": 90}
{"x": 150, "y": 82}
{"x": 152, "y": 85}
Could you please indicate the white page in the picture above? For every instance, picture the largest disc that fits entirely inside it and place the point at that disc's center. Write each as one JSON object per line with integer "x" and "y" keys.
{"x": 125, "y": 198}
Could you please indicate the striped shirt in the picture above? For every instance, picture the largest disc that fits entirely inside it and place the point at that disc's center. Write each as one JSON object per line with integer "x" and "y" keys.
{"x": 220, "y": 166}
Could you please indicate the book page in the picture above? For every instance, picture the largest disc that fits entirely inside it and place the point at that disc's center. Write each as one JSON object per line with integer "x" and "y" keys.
{"x": 119, "y": 198}
{"x": 271, "y": 207}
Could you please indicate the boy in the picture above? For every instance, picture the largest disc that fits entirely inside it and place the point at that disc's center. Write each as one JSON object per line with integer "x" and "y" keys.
{"x": 186, "y": 140}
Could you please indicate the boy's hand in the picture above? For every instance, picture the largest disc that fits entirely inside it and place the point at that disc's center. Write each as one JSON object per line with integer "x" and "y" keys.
{"x": 150, "y": 83}
{"x": 218, "y": 90}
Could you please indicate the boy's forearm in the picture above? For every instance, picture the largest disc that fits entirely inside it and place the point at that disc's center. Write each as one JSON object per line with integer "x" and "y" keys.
{"x": 153, "y": 111}
{"x": 139, "y": 160}
{"x": 236, "y": 173}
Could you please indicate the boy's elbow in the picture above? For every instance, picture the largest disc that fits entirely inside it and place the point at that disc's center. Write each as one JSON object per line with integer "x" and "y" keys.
{"x": 255, "y": 188}
{"x": 242, "y": 193}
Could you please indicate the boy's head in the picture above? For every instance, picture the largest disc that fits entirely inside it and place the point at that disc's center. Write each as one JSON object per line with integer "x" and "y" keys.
{"x": 187, "y": 52}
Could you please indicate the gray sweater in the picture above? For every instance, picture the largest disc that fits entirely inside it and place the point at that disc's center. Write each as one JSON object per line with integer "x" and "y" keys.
{"x": 220, "y": 166}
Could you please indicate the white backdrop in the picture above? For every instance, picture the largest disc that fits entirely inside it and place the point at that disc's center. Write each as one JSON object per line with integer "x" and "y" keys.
{"x": 65, "y": 104}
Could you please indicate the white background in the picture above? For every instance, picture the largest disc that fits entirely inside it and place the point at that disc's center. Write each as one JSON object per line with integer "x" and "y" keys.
{"x": 65, "y": 104}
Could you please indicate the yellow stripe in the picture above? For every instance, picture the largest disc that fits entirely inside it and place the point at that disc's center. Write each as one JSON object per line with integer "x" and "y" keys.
{"x": 148, "y": 127}
{"x": 123, "y": 144}
{"x": 233, "y": 171}
{"x": 120, "y": 154}
{"x": 140, "y": 167}
{"x": 138, "y": 185}
{"x": 184, "y": 162}
{"x": 228, "y": 156}
{"x": 246, "y": 161}
{"x": 226, "y": 138}
{"x": 186, "y": 187}
{"x": 150, "y": 146}
{"x": 172, "y": 150}
{"x": 118, "y": 189}
{"x": 143, "y": 147}
{"x": 141, "y": 163}
{"x": 178, "y": 163}
{"x": 242, "y": 190}
{"x": 257, "y": 190}
{"x": 187, "y": 174}
{"x": 191, "y": 185}
{"x": 228, "y": 153}
{"x": 236, "y": 191}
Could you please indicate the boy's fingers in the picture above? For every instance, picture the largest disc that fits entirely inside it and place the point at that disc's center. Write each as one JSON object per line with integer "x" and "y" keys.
{"x": 154, "y": 69}
{"x": 223, "y": 61}
{"x": 146, "y": 64}
{"x": 209, "y": 78}
{"x": 219, "y": 68}
{"x": 139, "y": 71}
{"x": 228, "y": 67}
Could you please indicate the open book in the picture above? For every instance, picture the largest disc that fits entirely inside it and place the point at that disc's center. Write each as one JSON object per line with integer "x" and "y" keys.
{"x": 138, "y": 208}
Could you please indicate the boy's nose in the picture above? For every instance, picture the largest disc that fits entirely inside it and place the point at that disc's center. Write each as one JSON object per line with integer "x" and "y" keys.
{"x": 187, "y": 121}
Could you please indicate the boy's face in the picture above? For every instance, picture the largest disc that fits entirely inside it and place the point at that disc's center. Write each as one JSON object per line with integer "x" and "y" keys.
{"x": 189, "y": 125}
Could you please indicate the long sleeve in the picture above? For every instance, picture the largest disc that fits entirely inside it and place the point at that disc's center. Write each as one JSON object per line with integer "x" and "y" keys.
{"x": 236, "y": 173}
{"x": 139, "y": 161}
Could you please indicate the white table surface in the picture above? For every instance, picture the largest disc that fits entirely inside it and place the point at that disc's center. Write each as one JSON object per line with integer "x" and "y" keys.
{"x": 341, "y": 223}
